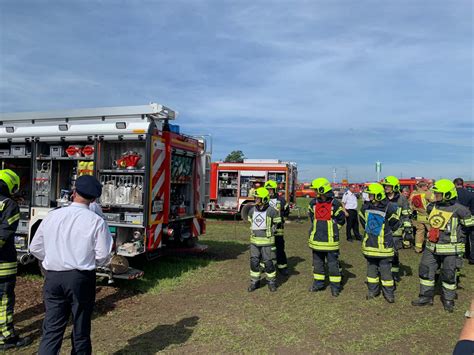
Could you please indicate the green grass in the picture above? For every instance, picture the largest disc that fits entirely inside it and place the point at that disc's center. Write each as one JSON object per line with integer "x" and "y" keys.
{"x": 201, "y": 304}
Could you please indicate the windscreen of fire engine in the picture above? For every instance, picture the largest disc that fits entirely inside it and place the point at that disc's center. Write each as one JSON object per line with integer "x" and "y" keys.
{"x": 182, "y": 192}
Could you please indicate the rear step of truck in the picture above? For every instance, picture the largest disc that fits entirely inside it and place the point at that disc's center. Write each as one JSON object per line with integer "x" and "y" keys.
{"x": 130, "y": 274}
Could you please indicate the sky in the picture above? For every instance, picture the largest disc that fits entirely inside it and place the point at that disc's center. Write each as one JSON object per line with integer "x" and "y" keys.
{"x": 329, "y": 85}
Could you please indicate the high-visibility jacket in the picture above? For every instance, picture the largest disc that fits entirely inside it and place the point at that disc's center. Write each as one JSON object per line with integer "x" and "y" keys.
{"x": 403, "y": 211}
{"x": 9, "y": 219}
{"x": 326, "y": 219}
{"x": 263, "y": 221}
{"x": 279, "y": 203}
{"x": 380, "y": 220}
{"x": 419, "y": 201}
{"x": 447, "y": 224}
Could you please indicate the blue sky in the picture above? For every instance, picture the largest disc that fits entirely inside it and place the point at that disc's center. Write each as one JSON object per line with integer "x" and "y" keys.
{"x": 323, "y": 83}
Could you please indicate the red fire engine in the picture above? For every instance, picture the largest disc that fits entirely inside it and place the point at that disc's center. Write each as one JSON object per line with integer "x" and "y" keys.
{"x": 232, "y": 184}
{"x": 153, "y": 177}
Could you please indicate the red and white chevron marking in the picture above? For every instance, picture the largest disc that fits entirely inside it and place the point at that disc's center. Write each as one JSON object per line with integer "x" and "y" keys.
{"x": 157, "y": 192}
{"x": 197, "y": 198}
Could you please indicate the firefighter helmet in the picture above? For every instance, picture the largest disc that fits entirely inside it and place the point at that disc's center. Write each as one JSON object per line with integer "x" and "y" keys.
{"x": 11, "y": 179}
{"x": 377, "y": 190}
{"x": 321, "y": 185}
{"x": 446, "y": 188}
{"x": 392, "y": 181}
{"x": 271, "y": 184}
{"x": 263, "y": 194}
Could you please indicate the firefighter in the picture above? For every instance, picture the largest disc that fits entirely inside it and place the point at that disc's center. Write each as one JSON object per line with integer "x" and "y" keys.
{"x": 279, "y": 203}
{"x": 263, "y": 219}
{"x": 408, "y": 239}
{"x": 9, "y": 219}
{"x": 327, "y": 216}
{"x": 418, "y": 202}
{"x": 448, "y": 221}
{"x": 392, "y": 190}
{"x": 380, "y": 219}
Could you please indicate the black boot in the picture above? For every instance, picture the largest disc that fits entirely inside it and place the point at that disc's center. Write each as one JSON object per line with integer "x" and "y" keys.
{"x": 371, "y": 295}
{"x": 422, "y": 301}
{"x": 448, "y": 305}
{"x": 15, "y": 342}
{"x": 389, "y": 298}
{"x": 283, "y": 271}
{"x": 315, "y": 287}
{"x": 253, "y": 286}
{"x": 396, "y": 277}
{"x": 272, "y": 285}
{"x": 335, "y": 292}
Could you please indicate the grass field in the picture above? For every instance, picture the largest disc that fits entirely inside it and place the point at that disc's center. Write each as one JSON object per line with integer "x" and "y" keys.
{"x": 201, "y": 304}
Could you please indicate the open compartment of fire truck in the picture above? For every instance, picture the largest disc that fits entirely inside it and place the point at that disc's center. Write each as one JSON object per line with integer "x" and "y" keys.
{"x": 122, "y": 173}
{"x": 154, "y": 178}
{"x": 17, "y": 157}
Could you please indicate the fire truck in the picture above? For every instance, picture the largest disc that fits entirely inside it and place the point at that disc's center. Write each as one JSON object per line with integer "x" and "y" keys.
{"x": 232, "y": 184}
{"x": 304, "y": 190}
{"x": 153, "y": 177}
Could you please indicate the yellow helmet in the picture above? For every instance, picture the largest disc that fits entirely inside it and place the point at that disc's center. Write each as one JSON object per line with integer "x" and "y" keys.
{"x": 377, "y": 190}
{"x": 321, "y": 185}
{"x": 446, "y": 188}
{"x": 262, "y": 193}
{"x": 392, "y": 181}
{"x": 270, "y": 184}
{"x": 11, "y": 179}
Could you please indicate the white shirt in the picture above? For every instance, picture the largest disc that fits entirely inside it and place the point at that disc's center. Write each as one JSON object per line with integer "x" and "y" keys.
{"x": 349, "y": 200}
{"x": 72, "y": 238}
{"x": 95, "y": 207}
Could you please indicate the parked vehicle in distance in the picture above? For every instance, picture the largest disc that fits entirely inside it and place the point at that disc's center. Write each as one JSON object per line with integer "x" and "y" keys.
{"x": 304, "y": 190}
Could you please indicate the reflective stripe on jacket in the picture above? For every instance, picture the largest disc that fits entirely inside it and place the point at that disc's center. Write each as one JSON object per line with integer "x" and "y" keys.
{"x": 267, "y": 217}
{"x": 452, "y": 232}
{"x": 325, "y": 224}
{"x": 380, "y": 221}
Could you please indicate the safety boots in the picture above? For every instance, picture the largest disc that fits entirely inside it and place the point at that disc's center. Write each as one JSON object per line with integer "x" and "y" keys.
{"x": 448, "y": 305}
{"x": 422, "y": 301}
{"x": 389, "y": 298}
{"x": 315, "y": 287}
{"x": 272, "y": 285}
{"x": 15, "y": 342}
{"x": 253, "y": 286}
{"x": 372, "y": 295}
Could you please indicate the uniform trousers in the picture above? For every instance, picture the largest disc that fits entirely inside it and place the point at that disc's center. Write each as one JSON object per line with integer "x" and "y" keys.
{"x": 319, "y": 273}
{"x": 264, "y": 255}
{"x": 429, "y": 264}
{"x": 382, "y": 267}
{"x": 7, "y": 304}
{"x": 67, "y": 292}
